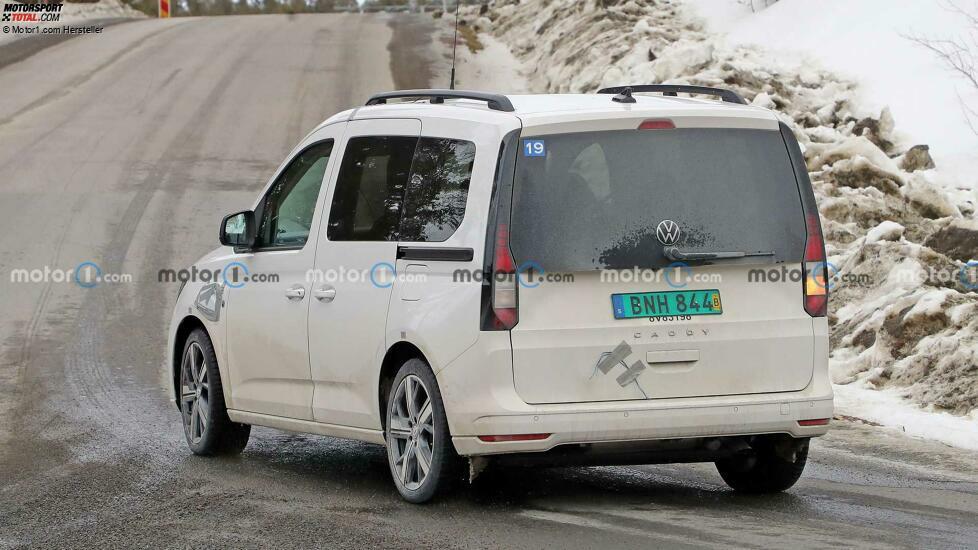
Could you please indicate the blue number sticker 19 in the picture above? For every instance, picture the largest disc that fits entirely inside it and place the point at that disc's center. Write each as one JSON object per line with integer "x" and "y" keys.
{"x": 534, "y": 148}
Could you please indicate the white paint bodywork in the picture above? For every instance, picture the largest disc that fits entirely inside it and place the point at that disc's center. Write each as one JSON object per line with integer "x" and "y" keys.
{"x": 347, "y": 337}
{"x": 315, "y": 367}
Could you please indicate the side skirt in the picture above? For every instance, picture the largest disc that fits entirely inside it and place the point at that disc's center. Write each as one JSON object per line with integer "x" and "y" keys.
{"x": 307, "y": 426}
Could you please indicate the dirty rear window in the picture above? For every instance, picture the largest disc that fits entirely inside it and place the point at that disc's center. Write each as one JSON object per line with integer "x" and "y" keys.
{"x": 592, "y": 200}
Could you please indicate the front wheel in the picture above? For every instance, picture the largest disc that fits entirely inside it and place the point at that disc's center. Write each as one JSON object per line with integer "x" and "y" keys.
{"x": 773, "y": 465}
{"x": 419, "y": 448}
{"x": 206, "y": 425}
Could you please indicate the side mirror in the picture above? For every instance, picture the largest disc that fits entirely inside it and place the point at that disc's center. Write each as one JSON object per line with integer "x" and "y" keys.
{"x": 238, "y": 230}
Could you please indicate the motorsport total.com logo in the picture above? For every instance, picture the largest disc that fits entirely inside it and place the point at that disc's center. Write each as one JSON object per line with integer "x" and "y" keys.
{"x": 31, "y": 13}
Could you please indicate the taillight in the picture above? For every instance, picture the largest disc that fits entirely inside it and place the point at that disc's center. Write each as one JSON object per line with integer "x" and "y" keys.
{"x": 504, "y": 287}
{"x": 816, "y": 284}
{"x": 657, "y": 124}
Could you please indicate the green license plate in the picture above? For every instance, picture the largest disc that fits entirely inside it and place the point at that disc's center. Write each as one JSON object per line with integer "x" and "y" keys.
{"x": 666, "y": 304}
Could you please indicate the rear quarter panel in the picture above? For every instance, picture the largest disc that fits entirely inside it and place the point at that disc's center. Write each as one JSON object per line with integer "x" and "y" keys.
{"x": 439, "y": 311}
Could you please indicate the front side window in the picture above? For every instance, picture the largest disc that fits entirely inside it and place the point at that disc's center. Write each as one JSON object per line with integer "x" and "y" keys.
{"x": 437, "y": 189}
{"x": 370, "y": 188}
{"x": 289, "y": 206}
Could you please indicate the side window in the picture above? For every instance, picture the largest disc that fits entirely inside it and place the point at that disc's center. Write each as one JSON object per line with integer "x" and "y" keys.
{"x": 286, "y": 214}
{"x": 434, "y": 202}
{"x": 370, "y": 188}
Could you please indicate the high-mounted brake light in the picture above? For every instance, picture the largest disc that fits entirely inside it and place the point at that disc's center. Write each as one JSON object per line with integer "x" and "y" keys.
{"x": 514, "y": 437}
{"x": 504, "y": 288}
{"x": 814, "y": 422}
{"x": 657, "y": 124}
{"x": 816, "y": 283}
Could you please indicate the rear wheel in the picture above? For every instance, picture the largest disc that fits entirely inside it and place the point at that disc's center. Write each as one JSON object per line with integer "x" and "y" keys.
{"x": 773, "y": 465}
{"x": 419, "y": 448}
{"x": 206, "y": 425}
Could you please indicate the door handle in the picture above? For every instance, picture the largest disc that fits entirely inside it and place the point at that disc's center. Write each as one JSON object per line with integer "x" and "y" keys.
{"x": 296, "y": 292}
{"x": 325, "y": 293}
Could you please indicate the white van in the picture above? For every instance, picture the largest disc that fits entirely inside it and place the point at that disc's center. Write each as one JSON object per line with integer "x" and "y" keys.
{"x": 542, "y": 279}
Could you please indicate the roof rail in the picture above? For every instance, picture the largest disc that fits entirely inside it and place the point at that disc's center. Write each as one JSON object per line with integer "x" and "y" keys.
{"x": 729, "y": 96}
{"x": 496, "y": 102}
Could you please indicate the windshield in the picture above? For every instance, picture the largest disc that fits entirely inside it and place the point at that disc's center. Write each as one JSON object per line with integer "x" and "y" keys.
{"x": 592, "y": 200}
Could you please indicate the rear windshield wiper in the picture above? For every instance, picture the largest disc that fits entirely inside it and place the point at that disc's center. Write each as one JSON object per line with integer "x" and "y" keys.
{"x": 677, "y": 255}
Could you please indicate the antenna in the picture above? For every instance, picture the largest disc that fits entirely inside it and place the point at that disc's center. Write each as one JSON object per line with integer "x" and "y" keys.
{"x": 451, "y": 85}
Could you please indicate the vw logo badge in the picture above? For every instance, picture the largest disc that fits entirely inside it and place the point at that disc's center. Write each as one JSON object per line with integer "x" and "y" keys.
{"x": 668, "y": 232}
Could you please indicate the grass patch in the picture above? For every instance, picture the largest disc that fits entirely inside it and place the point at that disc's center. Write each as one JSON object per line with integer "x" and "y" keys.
{"x": 470, "y": 37}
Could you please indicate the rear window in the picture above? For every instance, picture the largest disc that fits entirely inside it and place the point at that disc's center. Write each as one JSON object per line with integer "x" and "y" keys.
{"x": 437, "y": 189}
{"x": 592, "y": 200}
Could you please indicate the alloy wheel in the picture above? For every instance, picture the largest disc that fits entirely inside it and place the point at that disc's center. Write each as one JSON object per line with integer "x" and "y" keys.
{"x": 410, "y": 432}
{"x": 194, "y": 393}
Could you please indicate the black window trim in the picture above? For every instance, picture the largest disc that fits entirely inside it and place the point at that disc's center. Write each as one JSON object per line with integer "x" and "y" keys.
{"x": 435, "y": 253}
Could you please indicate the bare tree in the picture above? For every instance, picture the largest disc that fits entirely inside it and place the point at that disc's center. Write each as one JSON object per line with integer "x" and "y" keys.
{"x": 959, "y": 54}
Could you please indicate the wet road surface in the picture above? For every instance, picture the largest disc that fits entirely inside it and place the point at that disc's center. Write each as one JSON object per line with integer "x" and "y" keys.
{"x": 125, "y": 149}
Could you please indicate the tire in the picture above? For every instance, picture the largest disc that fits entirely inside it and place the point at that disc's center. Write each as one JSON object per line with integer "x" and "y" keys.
{"x": 766, "y": 470}
{"x": 419, "y": 435}
{"x": 206, "y": 426}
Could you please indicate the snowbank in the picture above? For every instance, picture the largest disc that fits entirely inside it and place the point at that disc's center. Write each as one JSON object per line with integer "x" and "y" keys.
{"x": 868, "y": 41}
{"x": 903, "y": 322}
{"x": 103, "y": 9}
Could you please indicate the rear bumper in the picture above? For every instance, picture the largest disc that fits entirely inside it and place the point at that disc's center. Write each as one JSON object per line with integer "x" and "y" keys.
{"x": 640, "y": 422}
{"x": 496, "y": 409}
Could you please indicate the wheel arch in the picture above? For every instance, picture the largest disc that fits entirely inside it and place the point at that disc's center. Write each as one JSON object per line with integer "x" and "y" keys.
{"x": 186, "y": 326}
{"x": 395, "y": 357}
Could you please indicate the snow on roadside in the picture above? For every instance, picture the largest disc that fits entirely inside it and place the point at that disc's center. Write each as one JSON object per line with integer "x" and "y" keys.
{"x": 903, "y": 325}
{"x": 73, "y": 13}
{"x": 494, "y": 68}
{"x": 889, "y": 408}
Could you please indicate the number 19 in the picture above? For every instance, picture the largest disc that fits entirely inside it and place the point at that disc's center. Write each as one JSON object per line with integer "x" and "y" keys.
{"x": 534, "y": 148}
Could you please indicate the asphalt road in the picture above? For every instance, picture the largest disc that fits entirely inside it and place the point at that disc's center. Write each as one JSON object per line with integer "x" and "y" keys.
{"x": 125, "y": 149}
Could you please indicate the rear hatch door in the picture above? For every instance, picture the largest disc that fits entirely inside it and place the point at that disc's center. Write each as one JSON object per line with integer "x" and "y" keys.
{"x": 593, "y": 214}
